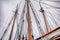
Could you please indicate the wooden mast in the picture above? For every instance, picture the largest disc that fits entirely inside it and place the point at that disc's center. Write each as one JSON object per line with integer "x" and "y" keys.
{"x": 12, "y": 28}
{"x": 44, "y": 17}
{"x": 45, "y": 20}
{"x": 29, "y": 24}
{"x": 7, "y": 28}
{"x": 13, "y": 22}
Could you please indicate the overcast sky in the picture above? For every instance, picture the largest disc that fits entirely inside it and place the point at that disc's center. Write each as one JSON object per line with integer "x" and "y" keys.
{"x": 6, "y": 11}
{"x": 8, "y": 6}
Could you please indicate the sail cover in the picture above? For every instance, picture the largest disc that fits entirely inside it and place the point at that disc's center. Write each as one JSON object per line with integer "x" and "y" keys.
{"x": 44, "y": 17}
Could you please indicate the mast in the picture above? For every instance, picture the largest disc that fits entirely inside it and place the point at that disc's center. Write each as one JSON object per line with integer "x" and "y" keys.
{"x": 29, "y": 24}
{"x": 22, "y": 21}
{"x": 36, "y": 18}
{"x": 7, "y": 27}
{"x": 44, "y": 17}
{"x": 13, "y": 23}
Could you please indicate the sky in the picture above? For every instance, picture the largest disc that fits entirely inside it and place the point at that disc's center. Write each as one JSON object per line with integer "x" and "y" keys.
{"x": 6, "y": 9}
{"x": 8, "y": 6}
{"x": 6, "y": 12}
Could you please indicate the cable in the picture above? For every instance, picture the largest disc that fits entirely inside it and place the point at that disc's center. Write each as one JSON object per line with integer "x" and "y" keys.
{"x": 36, "y": 17}
{"x": 21, "y": 21}
{"x": 7, "y": 27}
{"x": 51, "y": 15}
{"x": 51, "y": 5}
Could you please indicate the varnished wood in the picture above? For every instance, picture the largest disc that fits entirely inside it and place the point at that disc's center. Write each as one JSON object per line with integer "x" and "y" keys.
{"x": 45, "y": 19}
{"x": 12, "y": 28}
{"x": 7, "y": 28}
{"x": 29, "y": 24}
{"x": 23, "y": 37}
{"x": 49, "y": 33}
{"x": 57, "y": 38}
{"x": 13, "y": 23}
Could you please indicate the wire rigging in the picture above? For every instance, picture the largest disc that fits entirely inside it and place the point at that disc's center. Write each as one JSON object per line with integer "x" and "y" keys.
{"x": 51, "y": 15}
{"x": 43, "y": 12}
{"x": 36, "y": 18}
{"x": 50, "y": 5}
{"x": 16, "y": 12}
{"x": 21, "y": 21}
{"x": 7, "y": 27}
